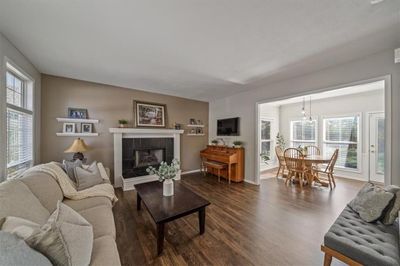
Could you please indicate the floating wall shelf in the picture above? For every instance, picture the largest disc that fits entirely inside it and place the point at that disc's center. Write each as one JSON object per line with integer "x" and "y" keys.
{"x": 77, "y": 134}
{"x": 77, "y": 120}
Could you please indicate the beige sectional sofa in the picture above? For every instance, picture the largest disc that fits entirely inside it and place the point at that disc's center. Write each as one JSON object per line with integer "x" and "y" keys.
{"x": 35, "y": 196}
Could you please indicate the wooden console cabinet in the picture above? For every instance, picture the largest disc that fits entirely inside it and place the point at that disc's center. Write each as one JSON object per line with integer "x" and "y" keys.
{"x": 233, "y": 157}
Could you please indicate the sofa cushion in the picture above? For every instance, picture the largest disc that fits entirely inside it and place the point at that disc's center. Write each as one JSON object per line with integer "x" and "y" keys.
{"x": 83, "y": 204}
{"x": 45, "y": 188}
{"x": 17, "y": 200}
{"x": 18, "y": 226}
{"x": 14, "y": 251}
{"x": 105, "y": 252}
{"x": 366, "y": 243}
{"x": 371, "y": 202}
{"x": 102, "y": 220}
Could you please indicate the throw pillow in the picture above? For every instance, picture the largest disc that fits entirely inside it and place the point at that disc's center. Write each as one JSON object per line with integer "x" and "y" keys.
{"x": 394, "y": 207}
{"x": 86, "y": 178}
{"x": 19, "y": 226}
{"x": 14, "y": 251}
{"x": 66, "y": 238}
{"x": 370, "y": 202}
{"x": 69, "y": 167}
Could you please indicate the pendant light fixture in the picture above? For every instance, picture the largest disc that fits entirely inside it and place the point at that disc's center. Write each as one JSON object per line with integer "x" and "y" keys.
{"x": 303, "y": 109}
{"x": 310, "y": 111}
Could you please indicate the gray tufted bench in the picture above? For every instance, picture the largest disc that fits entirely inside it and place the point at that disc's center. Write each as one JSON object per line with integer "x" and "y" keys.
{"x": 356, "y": 242}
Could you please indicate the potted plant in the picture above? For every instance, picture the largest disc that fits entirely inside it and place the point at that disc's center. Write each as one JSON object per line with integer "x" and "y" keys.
{"x": 280, "y": 141}
{"x": 166, "y": 173}
{"x": 122, "y": 122}
{"x": 265, "y": 157}
{"x": 237, "y": 143}
{"x": 214, "y": 142}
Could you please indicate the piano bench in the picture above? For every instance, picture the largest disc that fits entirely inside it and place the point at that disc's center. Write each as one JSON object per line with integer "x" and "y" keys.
{"x": 218, "y": 166}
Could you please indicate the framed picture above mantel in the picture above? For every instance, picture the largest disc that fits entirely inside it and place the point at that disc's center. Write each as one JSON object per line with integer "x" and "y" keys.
{"x": 149, "y": 114}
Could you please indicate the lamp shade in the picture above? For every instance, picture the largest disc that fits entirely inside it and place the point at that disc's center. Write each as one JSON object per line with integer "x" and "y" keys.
{"x": 77, "y": 146}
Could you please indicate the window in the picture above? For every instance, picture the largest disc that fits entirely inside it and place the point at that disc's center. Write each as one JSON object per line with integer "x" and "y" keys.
{"x": 303, "y": 133}
{"x": 343, "y": 133}
{"x": 266, "y": 141}
{"x": 19, "y": 124}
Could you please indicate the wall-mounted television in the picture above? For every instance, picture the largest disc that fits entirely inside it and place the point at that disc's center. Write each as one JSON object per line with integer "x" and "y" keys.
{"x": 228, "y": 127}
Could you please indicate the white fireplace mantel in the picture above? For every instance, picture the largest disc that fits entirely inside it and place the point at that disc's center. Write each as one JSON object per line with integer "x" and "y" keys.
{"x": 120, "y": 133}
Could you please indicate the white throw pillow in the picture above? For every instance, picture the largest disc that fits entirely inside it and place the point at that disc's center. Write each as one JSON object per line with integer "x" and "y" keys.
{"x": 66, "y": 238}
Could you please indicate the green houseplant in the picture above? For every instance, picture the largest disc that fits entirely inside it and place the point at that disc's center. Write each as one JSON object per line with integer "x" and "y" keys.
{"x": 265, "y": 157}
{"x": 280, "y": 141}
{"x": 237, "y": 143}
{"x": 214, "y": 142}
{"x": 122, "y": 122}
{"x": 166, "y": 173}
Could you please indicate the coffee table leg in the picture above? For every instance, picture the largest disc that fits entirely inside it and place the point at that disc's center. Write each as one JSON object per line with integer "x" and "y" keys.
{"x": 138, "y": 202}
{"x": 202, "y": 220}
{"x": 160, "y": 238}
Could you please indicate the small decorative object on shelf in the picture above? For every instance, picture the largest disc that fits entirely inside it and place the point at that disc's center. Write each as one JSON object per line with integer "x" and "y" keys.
{"x": 86, "y": 128}
{"x": 78, "y": 147}
{"x": 78, "y": 113}
{"x": 177, "y": 126}
{"x": 69, "y": 128}
{"x": 166, "y": 173}
{"x": 122, "y": 123}
{"x": 214, "y": 142}
{"x": 265, "y": 157}
{"x": 199, "y": 122}
{"x": 237, "y": 143}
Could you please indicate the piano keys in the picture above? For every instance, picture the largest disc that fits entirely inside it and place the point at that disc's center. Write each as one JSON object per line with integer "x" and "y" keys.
{"x": 233, "y": 157}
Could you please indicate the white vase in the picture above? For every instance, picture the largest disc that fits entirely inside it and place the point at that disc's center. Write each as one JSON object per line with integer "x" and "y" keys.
{"x": 168, "y": 187}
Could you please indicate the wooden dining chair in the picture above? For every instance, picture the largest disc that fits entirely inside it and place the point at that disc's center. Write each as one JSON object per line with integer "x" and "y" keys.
{"x": 329, "y": 170}
{"x": 281, "y": 160}
{"x": 295, "y": 164}
{"x": 313, "y": 150}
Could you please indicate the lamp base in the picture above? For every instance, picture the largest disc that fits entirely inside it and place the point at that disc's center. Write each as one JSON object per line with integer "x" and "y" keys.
{"x": 78, "y": 156}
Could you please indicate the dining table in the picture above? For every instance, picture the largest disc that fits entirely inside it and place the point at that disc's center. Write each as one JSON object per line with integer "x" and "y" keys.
{"x": 313, "y": 160}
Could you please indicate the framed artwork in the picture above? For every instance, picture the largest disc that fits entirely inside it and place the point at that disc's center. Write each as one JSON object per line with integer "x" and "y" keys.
{"x": 69, "y": 128}
{"x": 86, "y": 128}
{"x": 77, "y": 113}
{"x": 150, "y": 114}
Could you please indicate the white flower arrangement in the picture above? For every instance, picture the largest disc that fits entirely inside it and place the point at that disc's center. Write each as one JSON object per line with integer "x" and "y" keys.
{"x": 165, "y": 171}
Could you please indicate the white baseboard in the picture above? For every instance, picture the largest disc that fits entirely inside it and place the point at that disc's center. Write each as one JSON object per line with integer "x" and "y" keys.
{"x": 251, "y": 182}
{"x": 190, "y": 172}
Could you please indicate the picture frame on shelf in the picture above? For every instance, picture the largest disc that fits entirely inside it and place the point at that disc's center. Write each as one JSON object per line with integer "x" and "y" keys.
{"x": 86, "y": 128}
{"x": 78, "y": 113}
{"x": 69, "y": 128}
{"x": 149, "y": 114}
{"x": 192, "y": 121}
{"x": 193, "y": 131}
{"x": 199, "y": 131}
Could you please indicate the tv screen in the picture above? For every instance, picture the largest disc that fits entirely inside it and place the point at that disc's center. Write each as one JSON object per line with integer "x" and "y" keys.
{"x": 228, "y": 127}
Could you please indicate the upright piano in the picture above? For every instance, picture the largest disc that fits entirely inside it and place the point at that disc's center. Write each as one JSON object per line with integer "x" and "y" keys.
{"x": 233, "y": 157}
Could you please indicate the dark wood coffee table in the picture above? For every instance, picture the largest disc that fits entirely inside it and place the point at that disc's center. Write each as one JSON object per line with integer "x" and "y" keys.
{"x": 166, "y": 209}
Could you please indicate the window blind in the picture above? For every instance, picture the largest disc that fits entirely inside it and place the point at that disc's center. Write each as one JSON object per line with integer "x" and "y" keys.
{"x": 303, "y": 133}
{"x": 19, "y": 127}
{"x": 342, "y": 133}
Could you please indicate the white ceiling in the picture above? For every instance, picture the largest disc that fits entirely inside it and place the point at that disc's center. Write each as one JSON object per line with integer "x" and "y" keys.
{"x": 201, "y": 49}
{"x": 346, "y": 91}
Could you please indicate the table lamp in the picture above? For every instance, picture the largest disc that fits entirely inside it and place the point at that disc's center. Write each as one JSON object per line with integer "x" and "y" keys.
{"x": 77, "y": 147}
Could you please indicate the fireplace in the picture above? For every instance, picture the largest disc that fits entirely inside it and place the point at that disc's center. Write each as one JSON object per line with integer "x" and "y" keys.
{"x": 149, "y": 157}
{"x": 140, "y": 153}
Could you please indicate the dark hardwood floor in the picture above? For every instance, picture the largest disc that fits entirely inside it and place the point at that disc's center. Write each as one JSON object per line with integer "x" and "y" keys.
{"x": 270, "y": 224}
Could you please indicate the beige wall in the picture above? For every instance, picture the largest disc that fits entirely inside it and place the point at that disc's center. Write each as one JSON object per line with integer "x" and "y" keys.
{"x": 109, "y": 104}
